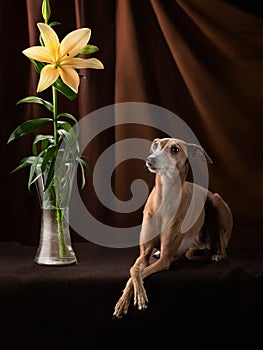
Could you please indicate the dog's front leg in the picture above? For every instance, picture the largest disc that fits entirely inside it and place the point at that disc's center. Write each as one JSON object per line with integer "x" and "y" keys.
{"x": 121, "y": 307}
{"x": 170, "y": 243}
{"x": 140, "y": 296}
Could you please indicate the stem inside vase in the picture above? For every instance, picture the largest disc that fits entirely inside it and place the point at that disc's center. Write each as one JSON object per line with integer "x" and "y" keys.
{"x": 54, "y": 188}
{"x": 59, "y": 218}
{"x": 55, "y": 246}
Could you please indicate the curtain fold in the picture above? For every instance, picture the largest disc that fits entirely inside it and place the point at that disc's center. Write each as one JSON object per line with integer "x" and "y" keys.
{"x": 200, "y": 59}
{"x": 216, "y": 60}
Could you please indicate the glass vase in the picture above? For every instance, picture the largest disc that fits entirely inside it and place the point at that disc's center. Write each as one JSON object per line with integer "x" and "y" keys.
{"x": 55, "y": 246}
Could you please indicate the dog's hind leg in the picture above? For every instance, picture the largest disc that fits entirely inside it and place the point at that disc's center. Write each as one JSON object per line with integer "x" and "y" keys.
{"x": 221, "y": 246}
{"x": 223, "y": 227}
{"x": 198, "y": 254}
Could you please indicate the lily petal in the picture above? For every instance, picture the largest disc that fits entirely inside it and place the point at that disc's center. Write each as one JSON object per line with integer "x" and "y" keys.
{"x": 74, "y": 42}
{"x": 48, "y": 76}
{"x": 83, "y": 63}
{"x": 50, "y": 39}
{"x": 70, "y": 77}
{"x": 38, "y": 53}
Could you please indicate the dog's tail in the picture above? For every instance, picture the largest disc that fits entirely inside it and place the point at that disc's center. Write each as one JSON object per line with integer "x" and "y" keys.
{"x": 198, "y": 254}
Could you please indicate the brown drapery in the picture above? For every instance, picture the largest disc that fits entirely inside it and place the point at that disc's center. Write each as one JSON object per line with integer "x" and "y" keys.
{"x": 201, "y": 59}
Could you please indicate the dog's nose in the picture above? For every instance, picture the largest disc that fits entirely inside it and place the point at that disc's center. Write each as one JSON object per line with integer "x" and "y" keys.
{"x": 151, "y": 160}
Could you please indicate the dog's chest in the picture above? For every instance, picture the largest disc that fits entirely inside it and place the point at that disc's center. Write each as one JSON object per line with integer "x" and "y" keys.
{"x": 170, "y": 206}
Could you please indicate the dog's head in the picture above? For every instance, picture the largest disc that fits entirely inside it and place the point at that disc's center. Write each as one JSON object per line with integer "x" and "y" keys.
{"x": 169, "y": 155}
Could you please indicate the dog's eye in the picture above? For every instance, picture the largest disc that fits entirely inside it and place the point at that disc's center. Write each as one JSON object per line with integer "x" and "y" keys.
{"x": 174, "y": 149}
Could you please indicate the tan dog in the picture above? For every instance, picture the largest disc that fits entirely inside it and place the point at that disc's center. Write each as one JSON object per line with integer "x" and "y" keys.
{"x": 165, "y": 226}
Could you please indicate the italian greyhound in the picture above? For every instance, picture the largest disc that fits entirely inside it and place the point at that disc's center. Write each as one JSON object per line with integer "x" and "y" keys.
{"x": 165, "y": 227}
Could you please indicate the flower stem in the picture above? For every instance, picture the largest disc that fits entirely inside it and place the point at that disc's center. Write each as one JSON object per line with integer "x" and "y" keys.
{"x": 59, "y": 216}
{"x": 55, "y": 114}
{"x": 62, "y": 247}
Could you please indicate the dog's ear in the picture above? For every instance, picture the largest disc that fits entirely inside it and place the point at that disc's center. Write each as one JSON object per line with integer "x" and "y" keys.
{"x": 197, "y": 152}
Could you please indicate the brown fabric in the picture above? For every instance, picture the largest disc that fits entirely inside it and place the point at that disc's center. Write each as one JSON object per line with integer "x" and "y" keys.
{"x": 201, "y": 59}
{"x": 194, "y": 305}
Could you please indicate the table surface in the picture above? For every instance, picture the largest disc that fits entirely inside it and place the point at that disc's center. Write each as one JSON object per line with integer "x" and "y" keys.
{"x": 77, "y": 301}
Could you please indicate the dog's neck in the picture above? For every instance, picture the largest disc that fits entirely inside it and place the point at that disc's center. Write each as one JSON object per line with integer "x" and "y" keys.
{"x": 167, "y": 185}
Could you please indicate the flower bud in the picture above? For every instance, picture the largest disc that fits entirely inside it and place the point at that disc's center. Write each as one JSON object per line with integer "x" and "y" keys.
{"x": 46, "y": 11}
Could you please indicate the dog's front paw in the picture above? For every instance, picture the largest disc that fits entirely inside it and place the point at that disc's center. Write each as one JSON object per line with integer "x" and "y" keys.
{"x": 140, "y": 298}
{"x": 121, "y": 308}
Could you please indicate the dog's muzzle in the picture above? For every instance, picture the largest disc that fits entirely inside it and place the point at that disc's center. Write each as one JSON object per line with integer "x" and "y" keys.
{"x": 151, "y": 162}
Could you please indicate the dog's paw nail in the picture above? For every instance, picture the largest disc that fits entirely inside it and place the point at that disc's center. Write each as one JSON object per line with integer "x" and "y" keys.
{"x": 116, "y": 315}
{"x": 216, "y": 258}
{"x": 145, "y": 306}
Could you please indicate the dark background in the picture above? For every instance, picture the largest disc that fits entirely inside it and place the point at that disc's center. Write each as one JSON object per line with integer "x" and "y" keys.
{"x": 199, "y": 59}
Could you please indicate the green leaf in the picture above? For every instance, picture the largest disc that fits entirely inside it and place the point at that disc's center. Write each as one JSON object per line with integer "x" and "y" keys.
{"x": 68, "y": 133}
{"x": 50, "y": 153}
{"x": 65, "y": 90}
{"x": 82, "y": 161}
{"x": 19, "y": 167}
{"x": 67, "y": 115}
{"x": 27, "y": 127}
{"x": 89, "y": 49}
{"x": 24, "y": 163}
{"x": 50, "y": 175}
{"x": 70, "y": 116}
{"x": 32, "y": 175}
{"x": 34, "y": 99}
{"x": 52, "y": 24}
{"x": 83, "y": 179}
{"x": 45, "y": 141}
{"x": 65, "y": 125}
{"x": 70, "y": 139}
{"x": 38, "y": 65}
{"x": 28, "y": 160}
{"x": 41, "y": 40}
{"x": 83, "y": 165}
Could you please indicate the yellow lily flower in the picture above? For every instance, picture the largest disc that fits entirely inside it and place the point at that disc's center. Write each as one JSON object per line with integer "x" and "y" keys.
{"x": 61, "y": 57}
